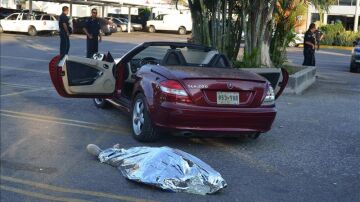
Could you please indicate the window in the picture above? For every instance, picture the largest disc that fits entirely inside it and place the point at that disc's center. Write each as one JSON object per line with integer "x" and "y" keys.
{"x": 13, "y": 17}
{"x": 46, "y": 17}
{"x": 26, "y": 16}
{"x": 38, "y": 17}
{"x": 346, "y": 2}
{"x": 160, "y": 17}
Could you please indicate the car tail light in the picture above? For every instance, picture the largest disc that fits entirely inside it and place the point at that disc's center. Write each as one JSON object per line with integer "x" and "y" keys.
{"x": 270, "y": 96}
{"x": 173, "y": 91}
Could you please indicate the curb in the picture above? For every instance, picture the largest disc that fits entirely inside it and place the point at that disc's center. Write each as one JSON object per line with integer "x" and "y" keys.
{"x": 300, "y": 81}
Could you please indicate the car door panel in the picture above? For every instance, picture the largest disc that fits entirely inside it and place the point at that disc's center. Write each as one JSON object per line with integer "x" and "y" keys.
{"x": 82, "y": 77}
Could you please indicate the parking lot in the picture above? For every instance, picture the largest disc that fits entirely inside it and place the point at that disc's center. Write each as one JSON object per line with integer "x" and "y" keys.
{"x": 312, "y": 152}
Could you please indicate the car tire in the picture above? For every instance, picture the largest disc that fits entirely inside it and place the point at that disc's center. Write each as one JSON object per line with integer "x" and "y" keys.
{"x": 101, "y": 103}
{"x": 353, "y": 68}
{"x": 254, "y": 136}
{"x": 32, "y": 31}
{"x": 182, "y": 31}
{"x": 152, "y": 29}
{"x": 142, "y": 128}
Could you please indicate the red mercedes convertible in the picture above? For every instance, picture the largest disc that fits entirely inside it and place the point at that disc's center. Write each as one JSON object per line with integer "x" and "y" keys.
{"x": 177, "y": 88}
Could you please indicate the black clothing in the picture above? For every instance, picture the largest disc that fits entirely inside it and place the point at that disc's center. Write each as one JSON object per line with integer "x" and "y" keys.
{"x": 309, "y": 51}
{"x": 92, "y": 46}
{"x": 318, "y": 35}
{"x": 64, "y": 19}
{"x": 64, "y": 44}
{"x": 93, "y": 28}
{"x": 64, "y": 38}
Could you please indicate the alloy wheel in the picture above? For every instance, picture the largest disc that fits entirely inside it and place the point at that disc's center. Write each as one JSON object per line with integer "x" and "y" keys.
{"x": 138, "y": 117}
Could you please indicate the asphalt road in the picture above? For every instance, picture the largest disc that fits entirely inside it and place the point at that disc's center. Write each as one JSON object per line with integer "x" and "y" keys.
{"x": 311, "y": 154}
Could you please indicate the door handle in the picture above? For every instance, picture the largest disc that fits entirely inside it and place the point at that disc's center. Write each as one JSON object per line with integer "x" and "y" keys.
{"x": 106, "y": 66}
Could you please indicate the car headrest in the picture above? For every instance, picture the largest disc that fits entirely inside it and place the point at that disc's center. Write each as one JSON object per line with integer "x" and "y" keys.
{"x": 174, "y": 57}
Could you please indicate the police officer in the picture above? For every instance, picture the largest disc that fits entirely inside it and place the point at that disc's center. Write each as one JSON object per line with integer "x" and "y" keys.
{"x": 319, "y": 36}
{"x": 309, "y": 46}
{"x": 92, "y": 31}
{"x": 65, "y": 31}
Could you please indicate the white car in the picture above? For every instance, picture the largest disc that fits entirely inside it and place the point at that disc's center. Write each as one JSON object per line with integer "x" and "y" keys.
{"x": 182, "y": 23}
{"x": 298, "y": 40}
{"x": 28, "y": 23}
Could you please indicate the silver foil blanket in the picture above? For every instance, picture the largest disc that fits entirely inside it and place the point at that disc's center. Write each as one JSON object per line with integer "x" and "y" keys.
{"x": 166, "y": 168}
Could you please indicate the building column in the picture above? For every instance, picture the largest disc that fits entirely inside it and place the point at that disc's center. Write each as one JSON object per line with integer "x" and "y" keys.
{"x": 356, "y": 21}
{"x": 30, "y": 6}
{"x": 129, "y": 20}
{"x": 103, "y": 11}
{"x": 325, "y": 19}
{"x": 71, "y": 9}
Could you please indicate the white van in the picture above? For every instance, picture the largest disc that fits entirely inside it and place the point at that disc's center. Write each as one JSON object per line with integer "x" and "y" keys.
{"x": 182, "y": 23}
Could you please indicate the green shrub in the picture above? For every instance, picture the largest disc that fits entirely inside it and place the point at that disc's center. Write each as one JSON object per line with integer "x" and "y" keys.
{"x": 248, "y": 60}
{"x": 346, "y": 38}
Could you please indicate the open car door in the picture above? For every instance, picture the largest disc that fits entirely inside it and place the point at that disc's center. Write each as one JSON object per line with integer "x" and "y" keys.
{"x": 82, "y": 77}
{"x": 278, "y": 78}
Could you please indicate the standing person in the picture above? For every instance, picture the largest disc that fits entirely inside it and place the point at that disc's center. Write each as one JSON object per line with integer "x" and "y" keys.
{"x": 319, "y": 36}
{"x": 65, "y": 31}
{"x": 92, "y": 31}
{"x": 309, "y": 46}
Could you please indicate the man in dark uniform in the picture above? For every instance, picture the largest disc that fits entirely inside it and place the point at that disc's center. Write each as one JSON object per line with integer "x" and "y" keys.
{"x": 65, "y": 31}
{"x": 319, "y": 36}
{"x": 309, "y": 46}
{"x": 92, "y": 31}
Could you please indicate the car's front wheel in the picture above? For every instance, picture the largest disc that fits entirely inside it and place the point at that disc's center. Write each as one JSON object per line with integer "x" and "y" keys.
{"x": 101, "y": 103}
{"x": 142, "y": 127}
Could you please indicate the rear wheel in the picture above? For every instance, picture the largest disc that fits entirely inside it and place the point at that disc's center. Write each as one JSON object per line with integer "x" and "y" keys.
{"x": 353, "y": 67}
{"x": 101, "y": 103}
{"x": 32, "y": 31}
{"x": 182, "y": 31}
{"x": 152, "y": 29}
{"x": 142, "y": 127}
{"x": 254, "y": 136}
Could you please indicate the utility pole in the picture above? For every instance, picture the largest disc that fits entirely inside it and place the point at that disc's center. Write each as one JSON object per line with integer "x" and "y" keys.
{"x": 356, "y": 21}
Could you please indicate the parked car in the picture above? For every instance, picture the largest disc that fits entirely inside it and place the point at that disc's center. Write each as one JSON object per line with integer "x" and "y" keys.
{"x": 25, "y": 22}
{"x": 107, "y": 28}
{"x": 172, "y": 87}
{"x": 182, "y": 23}
{"x": 122, "y": 24}
{"x": 355, "y": 59}
{"x": 48, "y": 17}
{"x": 298, "y": 40}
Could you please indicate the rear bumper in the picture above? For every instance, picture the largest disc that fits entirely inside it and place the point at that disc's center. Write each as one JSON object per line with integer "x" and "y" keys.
{"x": 183, "y": 117}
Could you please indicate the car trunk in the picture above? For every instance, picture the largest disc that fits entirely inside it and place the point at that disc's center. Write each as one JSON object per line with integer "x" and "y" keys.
{"x": 219, "y": 87}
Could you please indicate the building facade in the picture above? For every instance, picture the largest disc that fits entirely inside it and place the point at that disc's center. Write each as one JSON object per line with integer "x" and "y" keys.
{"x": 343, "y": 11}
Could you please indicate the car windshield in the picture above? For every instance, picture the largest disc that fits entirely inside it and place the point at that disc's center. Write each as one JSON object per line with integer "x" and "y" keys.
{"x": 170, "y": 55}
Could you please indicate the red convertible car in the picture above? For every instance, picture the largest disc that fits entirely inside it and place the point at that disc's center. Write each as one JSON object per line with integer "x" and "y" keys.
{"x": 178, "y": 88}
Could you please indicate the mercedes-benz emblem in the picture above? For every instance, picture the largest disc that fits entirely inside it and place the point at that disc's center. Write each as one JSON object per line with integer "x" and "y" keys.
{"x": 230, "y": 86}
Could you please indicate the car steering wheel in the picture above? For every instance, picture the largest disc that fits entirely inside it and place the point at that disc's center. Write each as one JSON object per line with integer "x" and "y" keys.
{"x": 148, "y": 60}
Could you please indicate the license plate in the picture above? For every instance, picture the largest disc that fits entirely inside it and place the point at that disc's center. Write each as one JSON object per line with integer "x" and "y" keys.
{"x": 227, "y": 98}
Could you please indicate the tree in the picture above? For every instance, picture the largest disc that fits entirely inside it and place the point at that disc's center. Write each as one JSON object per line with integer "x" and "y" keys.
{"x": 219, "y": 23}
